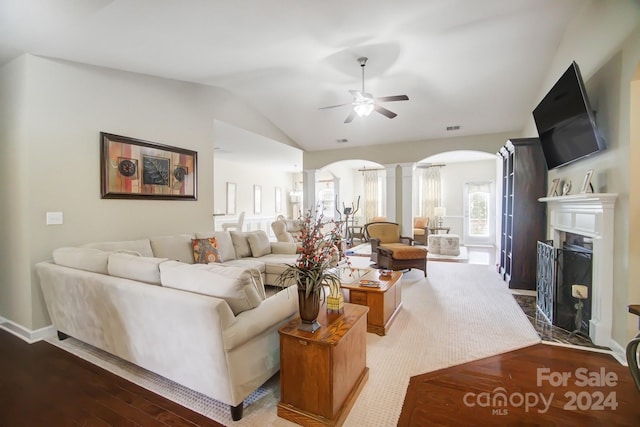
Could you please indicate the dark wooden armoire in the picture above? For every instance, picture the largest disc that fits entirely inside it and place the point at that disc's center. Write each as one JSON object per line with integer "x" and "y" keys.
{"x": 524, "y": 181}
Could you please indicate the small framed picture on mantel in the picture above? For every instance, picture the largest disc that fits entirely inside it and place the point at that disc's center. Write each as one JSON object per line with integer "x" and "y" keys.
{"x": 586, "y": 184}
{"x": 553, "y": 189}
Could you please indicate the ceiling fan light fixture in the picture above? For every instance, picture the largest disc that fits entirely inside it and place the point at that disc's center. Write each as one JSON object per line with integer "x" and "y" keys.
{"x": 363, "y": 109}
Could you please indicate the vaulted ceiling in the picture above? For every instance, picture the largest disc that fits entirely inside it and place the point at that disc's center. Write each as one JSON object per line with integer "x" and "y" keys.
{"x": 476, "y": 64}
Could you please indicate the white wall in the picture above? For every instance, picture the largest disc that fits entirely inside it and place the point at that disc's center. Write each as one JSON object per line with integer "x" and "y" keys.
{"x": 407, "y": 152}
{"x": 453, "y": 177}
{"x": 604, "y": 40}
{"x": 246, "y": 176}
{"x": 15, "y": 301}
{"x": 50, "y": 154}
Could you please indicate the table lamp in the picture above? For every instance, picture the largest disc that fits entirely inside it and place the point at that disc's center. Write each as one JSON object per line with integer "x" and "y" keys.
{"x": 440, "y": 212}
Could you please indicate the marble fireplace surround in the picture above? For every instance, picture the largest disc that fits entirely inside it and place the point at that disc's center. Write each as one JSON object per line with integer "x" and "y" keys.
{"x": 591, "y": 215}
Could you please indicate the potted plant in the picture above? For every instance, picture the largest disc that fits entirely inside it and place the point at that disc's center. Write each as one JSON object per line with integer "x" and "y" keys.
{"x": 315, "y": 267}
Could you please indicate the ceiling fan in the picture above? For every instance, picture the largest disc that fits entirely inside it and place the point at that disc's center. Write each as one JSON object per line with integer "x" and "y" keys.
{"x": 364, "y": 103}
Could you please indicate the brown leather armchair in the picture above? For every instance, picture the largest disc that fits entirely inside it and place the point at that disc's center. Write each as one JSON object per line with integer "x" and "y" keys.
{"x": 391, "y": 250}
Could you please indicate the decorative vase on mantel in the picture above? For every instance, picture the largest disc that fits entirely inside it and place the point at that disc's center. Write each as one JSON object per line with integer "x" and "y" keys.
{"x": 309, "y": 307}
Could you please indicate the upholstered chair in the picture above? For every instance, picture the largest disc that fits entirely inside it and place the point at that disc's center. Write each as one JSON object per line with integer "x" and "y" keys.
{"x": 374, "y": 219}
{"x": 287, "y": 230}
{"x": 391, "y": 250}
{"x": 420, "y": 229}
{"x": 234, "y": 225}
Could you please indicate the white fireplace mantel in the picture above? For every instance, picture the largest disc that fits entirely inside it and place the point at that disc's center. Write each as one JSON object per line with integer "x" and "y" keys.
{"x": 591, "y": 215}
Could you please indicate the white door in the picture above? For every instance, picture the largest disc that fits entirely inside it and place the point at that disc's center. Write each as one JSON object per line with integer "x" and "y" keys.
{"x": 479, "y": 221}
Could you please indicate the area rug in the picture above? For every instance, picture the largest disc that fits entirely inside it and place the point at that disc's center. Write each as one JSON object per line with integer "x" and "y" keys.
{"x": 364, "y": 250}
{"x": 461, "y": 312}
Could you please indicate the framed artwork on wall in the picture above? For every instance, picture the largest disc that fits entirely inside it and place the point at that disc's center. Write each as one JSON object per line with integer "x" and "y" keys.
{"x": 257, "y": 199}
{"x": 231, "y": 198}
{"x": 135, "y": 169}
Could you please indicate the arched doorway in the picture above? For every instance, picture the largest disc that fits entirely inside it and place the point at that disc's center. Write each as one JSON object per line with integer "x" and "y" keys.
{"x": 467, "y": 194}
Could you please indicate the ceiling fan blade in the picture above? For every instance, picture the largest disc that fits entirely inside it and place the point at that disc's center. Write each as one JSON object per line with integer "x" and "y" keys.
{"x": 350, "y": 118}
{"x": 384, "y": 111}
{"x": 392, "y": 98}
{"x": 333, "y": 106}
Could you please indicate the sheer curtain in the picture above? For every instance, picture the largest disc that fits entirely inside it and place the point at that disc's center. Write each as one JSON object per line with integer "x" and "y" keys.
{"x": 430, "y": 192}
{"x": 371, "y": 194}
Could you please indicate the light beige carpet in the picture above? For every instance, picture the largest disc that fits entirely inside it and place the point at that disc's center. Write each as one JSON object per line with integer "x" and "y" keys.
{"x": 461, "y": 312}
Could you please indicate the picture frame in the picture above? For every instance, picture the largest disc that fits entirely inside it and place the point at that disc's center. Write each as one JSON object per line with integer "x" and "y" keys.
{"x": 136, "y": 169}
{"x": 586, "y": 184}
{"x": 231, "y": 198}
{"x": 553, "y": 189}
{"x": 257, "y": 199}
{"x": 278, "y": 200}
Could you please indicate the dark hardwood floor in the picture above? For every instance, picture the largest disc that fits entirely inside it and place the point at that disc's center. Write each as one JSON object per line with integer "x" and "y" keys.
{"x": 495, "y": 391}
{"x": 42, "y": 385}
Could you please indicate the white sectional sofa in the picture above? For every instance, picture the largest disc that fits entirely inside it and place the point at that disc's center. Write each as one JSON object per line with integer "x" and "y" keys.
{"x": 209, "y": 327}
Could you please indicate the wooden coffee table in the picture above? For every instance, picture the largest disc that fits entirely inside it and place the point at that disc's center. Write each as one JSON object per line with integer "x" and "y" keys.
{"x": 383, "y": 302}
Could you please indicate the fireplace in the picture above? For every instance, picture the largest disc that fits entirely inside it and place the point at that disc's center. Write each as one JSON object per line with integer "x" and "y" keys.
{"x": 559, "y": 271}
{"x": 581, "y": 229}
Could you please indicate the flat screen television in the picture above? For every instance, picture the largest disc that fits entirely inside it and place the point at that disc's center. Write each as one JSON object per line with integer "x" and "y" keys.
{"x": 566, "y": 124}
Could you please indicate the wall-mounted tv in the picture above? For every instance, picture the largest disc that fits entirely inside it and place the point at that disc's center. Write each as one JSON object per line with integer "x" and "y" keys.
{"x": 566, "y": 124}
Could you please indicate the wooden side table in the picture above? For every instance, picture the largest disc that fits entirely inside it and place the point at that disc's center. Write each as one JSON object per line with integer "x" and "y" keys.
{"x": 384, "y": 302}
{"x": 322, "y": 373}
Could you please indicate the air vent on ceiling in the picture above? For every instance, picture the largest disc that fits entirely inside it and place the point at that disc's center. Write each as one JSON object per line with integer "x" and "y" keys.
{"x": 452, "y": 128}
{"x": 342, "y": 140}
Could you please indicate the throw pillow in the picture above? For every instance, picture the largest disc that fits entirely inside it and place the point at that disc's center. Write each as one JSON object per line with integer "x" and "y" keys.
{"x": 259, "y": 243}
{"x": 205, "y": 251}
{"x": 240, "y": 244}
{"x": 225, "y": 244}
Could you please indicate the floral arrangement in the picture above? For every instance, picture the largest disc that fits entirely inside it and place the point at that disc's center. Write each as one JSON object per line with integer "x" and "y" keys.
{"x": 318, "y": 255}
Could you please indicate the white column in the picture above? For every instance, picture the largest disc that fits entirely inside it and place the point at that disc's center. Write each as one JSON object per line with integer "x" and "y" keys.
{"x": 391, "y": 192}
{"x": 309, "y": 188}
{"x": 406, "y": 215}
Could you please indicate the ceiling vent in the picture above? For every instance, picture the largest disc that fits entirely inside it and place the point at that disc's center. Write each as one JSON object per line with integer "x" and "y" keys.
{"x": 452, "y": 128}
{"x": 342, "y": 140}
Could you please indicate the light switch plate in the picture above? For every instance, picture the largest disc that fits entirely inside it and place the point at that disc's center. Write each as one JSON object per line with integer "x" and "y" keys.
{"x": 55, "y": 218}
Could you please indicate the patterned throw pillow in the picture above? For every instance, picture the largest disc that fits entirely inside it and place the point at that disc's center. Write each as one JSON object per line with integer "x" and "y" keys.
{"x": 205, "y": 251}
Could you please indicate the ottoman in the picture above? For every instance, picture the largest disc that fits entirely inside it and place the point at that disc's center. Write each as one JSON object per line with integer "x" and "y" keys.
{"x": 401, "y": 257}
{"x": 444, "y": 244}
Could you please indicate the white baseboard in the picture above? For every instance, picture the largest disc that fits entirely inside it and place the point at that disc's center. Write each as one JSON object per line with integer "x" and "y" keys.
{"x": 619, "y": 352}
{"x": 26, "y": 334}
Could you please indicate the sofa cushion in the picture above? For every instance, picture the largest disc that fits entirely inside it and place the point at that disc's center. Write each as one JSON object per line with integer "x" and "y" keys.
{"x": 240, "y": 244}
{"x": 259, "y": 243}
{"x": 234, "y": 285}
{"x": 140, "y": 268}
{"x": 225, "y": 244}
{"x": 176, "y": 247}
{"x": 83, "y": 258}
{"x": 250, "y": 263}
{"x": 142, "y": 246}
{"x": 205, "y": 251}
